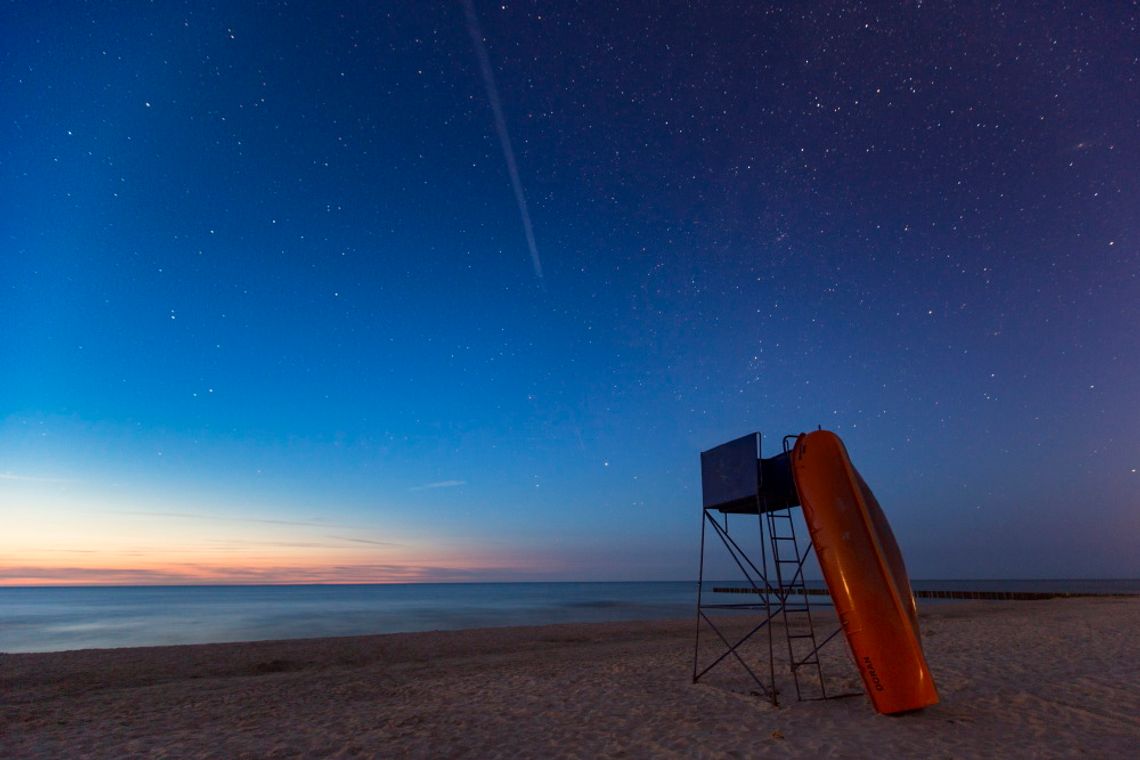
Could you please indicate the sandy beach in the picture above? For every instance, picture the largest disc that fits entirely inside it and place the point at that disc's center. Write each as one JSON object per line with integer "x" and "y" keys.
{"x": 1056, "y": 678}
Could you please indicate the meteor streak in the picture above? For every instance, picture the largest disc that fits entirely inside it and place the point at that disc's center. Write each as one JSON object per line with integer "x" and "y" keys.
{"x": 501, "y": 128}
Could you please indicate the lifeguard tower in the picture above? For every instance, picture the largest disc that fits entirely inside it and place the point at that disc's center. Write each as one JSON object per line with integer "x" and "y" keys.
{"x": 747, "y": 509}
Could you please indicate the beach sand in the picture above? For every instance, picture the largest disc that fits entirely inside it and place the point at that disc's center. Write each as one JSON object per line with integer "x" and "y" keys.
{"x": 1056, "y": 678}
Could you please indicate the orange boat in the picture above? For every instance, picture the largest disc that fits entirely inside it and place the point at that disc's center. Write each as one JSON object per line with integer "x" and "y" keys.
{"x": 865, "y": 575}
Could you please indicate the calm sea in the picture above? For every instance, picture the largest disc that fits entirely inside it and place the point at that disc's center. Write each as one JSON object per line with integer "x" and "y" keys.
{"x": 54, "y": 619}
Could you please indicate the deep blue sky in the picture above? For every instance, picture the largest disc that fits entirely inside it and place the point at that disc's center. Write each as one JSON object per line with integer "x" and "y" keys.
{"x": 267, "y": 298}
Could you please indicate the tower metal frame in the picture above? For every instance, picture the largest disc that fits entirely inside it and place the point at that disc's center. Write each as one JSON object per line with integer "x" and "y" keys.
{"x": 736, "y": 480}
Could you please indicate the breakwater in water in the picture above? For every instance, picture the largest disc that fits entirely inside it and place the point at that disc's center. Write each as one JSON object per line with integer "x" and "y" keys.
{"x": 941, "y": 594}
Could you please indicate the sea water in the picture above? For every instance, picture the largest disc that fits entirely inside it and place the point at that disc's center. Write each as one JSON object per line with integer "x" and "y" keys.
{"x": 42, "y": 619}
{"x": 37, "y": 619}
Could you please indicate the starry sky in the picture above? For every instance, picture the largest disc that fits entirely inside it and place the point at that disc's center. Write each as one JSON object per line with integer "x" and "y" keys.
{"x": 368, "y": 292}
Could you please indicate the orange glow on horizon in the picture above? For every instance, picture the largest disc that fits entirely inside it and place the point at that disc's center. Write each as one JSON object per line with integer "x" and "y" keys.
{"x": 62, "y": 543}
{"x": 192, "y": 565}
{"x": 267, "y": 573}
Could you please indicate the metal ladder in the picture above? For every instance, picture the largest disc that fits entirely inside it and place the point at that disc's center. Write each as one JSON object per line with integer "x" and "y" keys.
{"x": 803, "y": 649}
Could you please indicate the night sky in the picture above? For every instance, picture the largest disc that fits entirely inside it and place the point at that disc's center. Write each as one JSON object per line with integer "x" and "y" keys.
{"x": 418, "y": 291}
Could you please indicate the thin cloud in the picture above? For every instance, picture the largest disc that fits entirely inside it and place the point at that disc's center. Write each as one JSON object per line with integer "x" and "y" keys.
{"x": 31, "y": 478}
{"x": 439, "y": 484}
{"x": 212, "y": 518}
{"x": 90, "y": 574}
{"x": 365, "y": 541}
{"x": 194, "y": 574}
{"x": 311, "y": 523}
